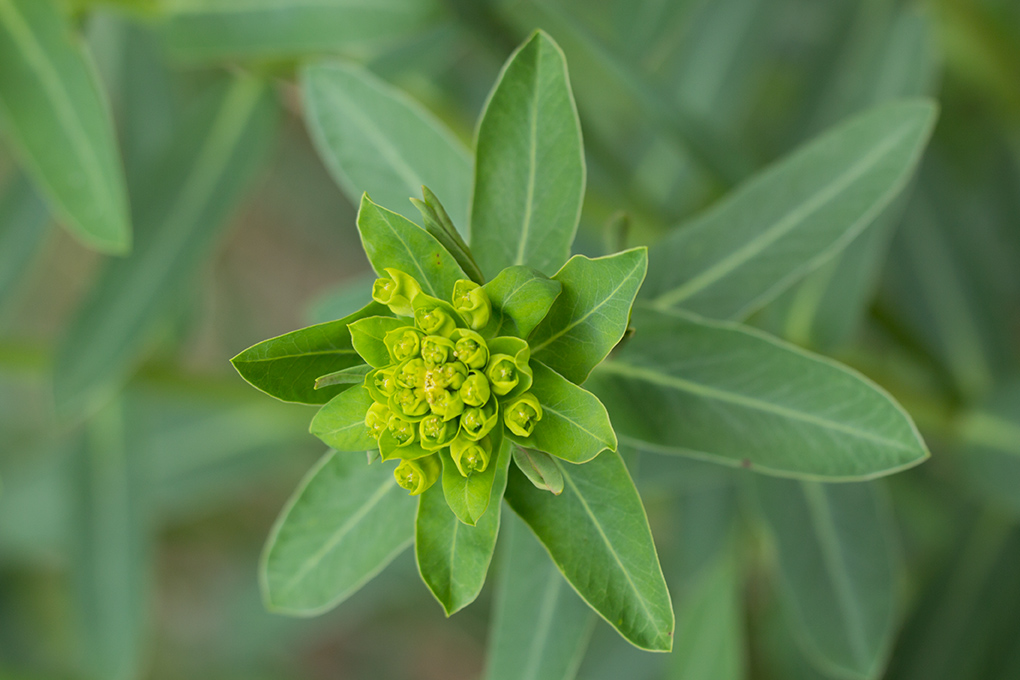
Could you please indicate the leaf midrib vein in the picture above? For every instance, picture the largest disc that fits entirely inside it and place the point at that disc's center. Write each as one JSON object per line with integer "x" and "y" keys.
{"x": 533, "y": 161}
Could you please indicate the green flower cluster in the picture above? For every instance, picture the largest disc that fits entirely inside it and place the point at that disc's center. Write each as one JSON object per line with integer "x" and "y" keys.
{"x": 446, "y": 386}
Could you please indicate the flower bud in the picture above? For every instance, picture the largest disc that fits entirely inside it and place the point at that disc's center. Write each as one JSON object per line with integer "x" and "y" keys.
{"x": 434, "y": 320}
{"x": 403, "y": 343}
{"x": 470, "y": 456}
{"x": 411, "y": 374}
{"x": 475, "y": 390}
{"x": 444, "y": 403}
{"x": 419, "y": 474}
{"x": 436, "y": 350}
{"x": 472, "y": 303}
{"x": 403, "y": 431}
{"x": 502, "y": 373}
{"x": 436, "y": 433}
{"x": 476, "y": 422}
{"x": 376, "y": 419}
{"x": 409, "y": 403}
{"x": 384, "y": 381}
{"x": 521, "y": 414}
{"x": 470, "y": 348}
{"x": 396, "y": 292}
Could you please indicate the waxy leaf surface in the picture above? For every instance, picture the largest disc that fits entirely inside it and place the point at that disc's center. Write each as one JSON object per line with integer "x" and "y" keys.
{"x": 54, "y": 112}
{"x": 591, "y": 314}
{"x": 529, "y": 164}
{"x": 597, "y": 534}
{"x": 736, "y": 396}
{"x": 344, "y": 523}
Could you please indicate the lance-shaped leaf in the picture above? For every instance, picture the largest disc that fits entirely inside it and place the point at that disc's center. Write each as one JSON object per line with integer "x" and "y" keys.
{"x": 376, "y": 139}
{"x": 216, "y": 29}
{"x": 736, "y": 396}
{"x": 597, "y": 534}
{"x": 453, "y": 558}
{"x": 540, "y": 468}
{"x": 836, "y": 565}
{"x": 367, "y": 336}
{"x": 540, "y": 627}
{"x": 793, "y": 216}
{"x": 391, "y": 240}
{"x": 591, "y": 314}
{"x": 340, "y": 424}
{"x": 344, "y": 523}
{"x": 23, "y": 220}
{"x": 199, "y": 183}
{"x": 529, "y": 164}
{"x": 55, "y": 114}
{"x": 574, "y": 424}
{"x": 471, "y": 497}
{"x": 287, "y": 366}
{"x": 521, "y": 297}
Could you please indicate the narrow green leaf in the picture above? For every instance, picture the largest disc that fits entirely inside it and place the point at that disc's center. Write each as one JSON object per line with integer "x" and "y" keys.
{"x": 453, "y": 558}
{"x": 540, "y": 468}
{"x": 736, "y": 396}
{"x": 521, "y": 297}
{"x": 376, "y": 139}
{"x": 287, "y": 366}
{"x": 438, "y": 223}
{"x": 529, "y": 164}
{"x": 340, "y": 424}
{"x": 56, "y": 115}
{"x": 837, "y": 568}
{"x": 367, "y": 336}
{"x": 540, "y": 628}
{"x": 591, "y": 314}
{"x": 200, "y": 182}
{"x": 597, "y": 534}
{"x": 355, "y": 375}
{"x": 791, "y": 217}
{"x": 216, "y": 29}
{"x": 391, "y": 240}
{"x": 23, "y": 221}
{"x": 574, "y": 424}
{"x": 470, "y": 497}
{"x": 343, "y": 525}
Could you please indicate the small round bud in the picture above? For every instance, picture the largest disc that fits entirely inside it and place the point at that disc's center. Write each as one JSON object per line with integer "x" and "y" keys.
{"x": 470, "y": 348}
{"x": 403, "y": 343}
{"x": 404, "y": 432}
{"x": 376, "y": 419}
{"x": 471, "y": 302}
{"x": 470, "y": 456}
{"x": 434, "y": 321}
{"x": 476, "y": 422}
{"x": 396, "y": 292}
{"x": 436, "y": 350}
{"x": 411, "y": 374}
{"x": 475, "y": 390}
{"x": 502, "y": 373}
{"x": 444, "y": 403}
{"x": 521, "y": 414}
{"x": 435, "y": 432}
{"x": 417, "y": 475}
{"x": 409, "y": 403}
{"x": 384, "y": 381}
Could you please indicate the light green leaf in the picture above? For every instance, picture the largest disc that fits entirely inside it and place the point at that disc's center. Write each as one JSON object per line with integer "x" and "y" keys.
{"x": 597, "y": 534}
{"x": 574, "y": 424}
{"x": 591, "y": 314}
{"x": 367, "y": 336}
{"x": 376, "y": 139}
{"x": 540, "y": 628}
{"x": 736, "y": 396}
{"x": 453, "y": 558}
{"x": 540, "y": 468}
{"x": 23, "y": 221}
{"x": 287, "y": 366}
{"x": 837, "y": 569}
{"x": 391, "y": 240}
{"x": 200, "y": 182}
{"x": 343, "y": 525}
{"x": 470, "y": 497}
{"x": 529, "y": 164}
{"x": 521, "y": 297}
{"x": 56, "y": 115}
{"x": 340, "y": 424}
{"x": 216, "y": 29}
{"x": 355, "y": 375}
{"x": 791, "y": 217}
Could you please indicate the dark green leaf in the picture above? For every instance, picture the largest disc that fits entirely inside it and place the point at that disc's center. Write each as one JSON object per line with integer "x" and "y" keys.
{"x": 529, "y": 164}
{"x": 340, "y": 424}
{"x": 55, "y": 113}
{"x": 591, "y": 314}
{"x": 521, "y": 297}
{"x": 597, "y": 534}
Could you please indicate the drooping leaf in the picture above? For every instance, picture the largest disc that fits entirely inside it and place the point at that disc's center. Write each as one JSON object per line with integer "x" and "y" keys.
{"x": 55, "y": 113}
{"x": 837, "y": 570}
{"x": 391, "y": 240}
{"x": 213, "y": 30}
{"x": 791, "y": 217}
{"x": 376, "y": 139}
{"x": 521, "y": 297}
{"x": 540, "y": 628}
{"x": 343, "y": 525}
{"x": 23, "y": 220}
{"x": 597, "y": 533}
{"x": 529, "y": 164}
{"x": 574, "y": 424}
{"x": 287, "y": 366}
{"x": 340, "y": 424}
{"x": 453, "y": 558}
{"x": 682, "y": 383}
{"x": 200, "y": 182}
{"x": 591, "y": 314}
{"x": 540, "y": 468}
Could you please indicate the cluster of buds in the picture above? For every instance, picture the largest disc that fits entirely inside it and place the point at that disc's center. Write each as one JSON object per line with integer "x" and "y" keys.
{"x": 448, "y": 384}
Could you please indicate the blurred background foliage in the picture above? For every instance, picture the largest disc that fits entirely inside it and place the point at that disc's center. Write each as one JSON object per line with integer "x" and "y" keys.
{"x": 140, "y": 474}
